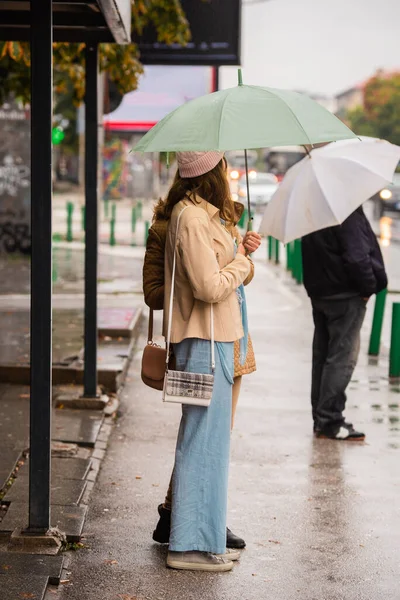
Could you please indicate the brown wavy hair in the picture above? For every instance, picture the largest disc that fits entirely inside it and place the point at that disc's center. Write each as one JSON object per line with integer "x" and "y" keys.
{"x": 213, "y": 186}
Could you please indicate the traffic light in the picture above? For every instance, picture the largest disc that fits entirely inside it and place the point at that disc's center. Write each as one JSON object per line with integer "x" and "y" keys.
{"x": 57, "y": 135}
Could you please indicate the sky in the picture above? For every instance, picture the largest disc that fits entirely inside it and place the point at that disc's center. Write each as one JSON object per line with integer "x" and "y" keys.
{"x": 318, "y": 46}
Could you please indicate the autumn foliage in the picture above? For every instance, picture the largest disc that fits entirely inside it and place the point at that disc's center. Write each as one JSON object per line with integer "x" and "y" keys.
{"x": 122, "y": 63}
{"x": 379, "y": 115}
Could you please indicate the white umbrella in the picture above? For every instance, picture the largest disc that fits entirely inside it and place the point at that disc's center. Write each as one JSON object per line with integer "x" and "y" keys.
{"x": 328, "y": 185}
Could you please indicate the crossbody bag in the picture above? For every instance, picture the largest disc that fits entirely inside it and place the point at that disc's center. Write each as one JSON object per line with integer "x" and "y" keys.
{"x": 181, "y": 386}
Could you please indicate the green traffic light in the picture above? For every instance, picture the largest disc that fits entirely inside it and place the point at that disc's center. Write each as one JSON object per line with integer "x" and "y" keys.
{"x": 57, "y": 135}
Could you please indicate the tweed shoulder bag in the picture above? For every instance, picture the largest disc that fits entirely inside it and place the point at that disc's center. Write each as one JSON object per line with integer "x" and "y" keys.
{"x": 180, "y": 386}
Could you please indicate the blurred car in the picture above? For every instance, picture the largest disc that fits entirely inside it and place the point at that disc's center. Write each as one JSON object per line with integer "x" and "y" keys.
{"x": 237, "y": 166}
{"x": 388, "y": 199}
{"x": 262, "y": 187}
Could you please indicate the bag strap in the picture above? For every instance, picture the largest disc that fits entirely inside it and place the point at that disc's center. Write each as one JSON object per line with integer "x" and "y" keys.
{"x": 171, "y": 305}
{"x": 150, "y": 330}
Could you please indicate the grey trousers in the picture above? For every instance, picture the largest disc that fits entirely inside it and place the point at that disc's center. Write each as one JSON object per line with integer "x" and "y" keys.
{"x": 336, "y": 347}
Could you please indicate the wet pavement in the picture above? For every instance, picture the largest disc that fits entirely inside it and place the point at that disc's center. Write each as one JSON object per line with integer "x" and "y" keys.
{"x": 68, "y": 271}
{"x": 321, "y": 518}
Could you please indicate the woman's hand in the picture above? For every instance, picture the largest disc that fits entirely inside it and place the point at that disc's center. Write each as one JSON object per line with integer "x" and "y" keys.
{"x": 241, "y": 250}
{"x": 251, "y": 241}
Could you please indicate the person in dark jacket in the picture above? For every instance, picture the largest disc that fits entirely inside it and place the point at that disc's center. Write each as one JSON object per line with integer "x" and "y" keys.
{"x": 343, "y": 267}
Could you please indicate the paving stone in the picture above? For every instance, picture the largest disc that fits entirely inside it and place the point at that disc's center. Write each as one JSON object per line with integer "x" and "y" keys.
{"x": 14, "y": 420}
{"x": 8, "y": 460}
{"x": 62, "y": 450}
{"x": 67, "y": 468}
{"x": 15, "y": 587}
{"x": 98, "y": 453}
{"x": 30, "y": 564}
{"x": 117, "y": 322}
{"x": 68, "y": 519}
{"x": 63, "y": 491}
{"x": 77, "y": 426}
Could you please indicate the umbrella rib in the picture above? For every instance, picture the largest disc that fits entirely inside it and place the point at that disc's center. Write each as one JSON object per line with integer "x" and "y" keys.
{"x": 220, "y": 119}
{"x": 295, "y": 116}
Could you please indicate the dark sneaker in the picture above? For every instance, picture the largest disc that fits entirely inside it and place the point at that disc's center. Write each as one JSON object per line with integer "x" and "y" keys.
{"x": 344, "y": 432}
{"x": 162, "y": 531}
{"x": 234, "y": 541}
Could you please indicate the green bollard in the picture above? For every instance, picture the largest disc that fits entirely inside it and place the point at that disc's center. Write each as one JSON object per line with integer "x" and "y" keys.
{"x": 83, "y": 218}
{"x": 243, "y": 219}
{"x": 112, "y": 225}
{"x": 146, "y": 231}
{"x": 139, "y": 210}
{"x": 134, "y": 219}
{"x": 298, "y": 265}
{"x": 289, "y": 257}
{"x": 269, "y": 247}
{"x": 70, "y": 210}
{"x": 394, "y": 365}
{"x": 106, "y": 208}
{"x": 277, "y": 249}
{"x": 377, "y": 323}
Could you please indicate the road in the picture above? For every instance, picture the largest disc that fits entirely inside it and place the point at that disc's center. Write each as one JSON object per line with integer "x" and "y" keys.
{"x": 321, "y": 518}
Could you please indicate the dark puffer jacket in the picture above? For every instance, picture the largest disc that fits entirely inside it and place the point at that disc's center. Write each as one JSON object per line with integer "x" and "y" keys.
{"x": 345, "y": 259}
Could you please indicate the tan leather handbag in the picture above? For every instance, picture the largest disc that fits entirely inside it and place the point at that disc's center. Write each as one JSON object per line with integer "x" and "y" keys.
{"x": 153, "y": 361}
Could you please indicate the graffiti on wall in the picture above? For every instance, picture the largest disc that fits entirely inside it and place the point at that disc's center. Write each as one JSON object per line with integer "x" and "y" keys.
{"x": 15, "y": 200}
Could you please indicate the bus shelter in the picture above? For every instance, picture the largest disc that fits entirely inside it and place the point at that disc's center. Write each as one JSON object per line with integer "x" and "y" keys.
{"x": 41, "y": 22}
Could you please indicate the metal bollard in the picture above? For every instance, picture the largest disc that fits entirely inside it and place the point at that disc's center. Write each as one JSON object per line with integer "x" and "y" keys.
{"x": 269, "y": 247}
{"x": 377, "y": 323}
{"x": 394, "y": 364}
{"x": 277, "y": 249}
{"x": 70, "y": 211}
{"x": 288, "y": 256}
{"x": 112, "y": 224}
{"x": 243, "y": 219}
{"x": 83, "y": 218}
{"x": 146, "y": 231}
{"x": 298, "y": 264}
{"x": 139, "y": 208}
{"x": 134, "y": 219}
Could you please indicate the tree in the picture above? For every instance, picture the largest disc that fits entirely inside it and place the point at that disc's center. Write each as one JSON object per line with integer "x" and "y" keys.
{"x": 379, "y": 116}
{"x": 122, "y": 63}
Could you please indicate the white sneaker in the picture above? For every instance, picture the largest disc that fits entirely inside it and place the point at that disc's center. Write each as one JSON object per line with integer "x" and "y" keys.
{"x": 230, "y": 554}
{"x": 198, "y": 561}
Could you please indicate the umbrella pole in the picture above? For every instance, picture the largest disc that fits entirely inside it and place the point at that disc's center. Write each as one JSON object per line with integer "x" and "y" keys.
{"x": 249, "y": 227}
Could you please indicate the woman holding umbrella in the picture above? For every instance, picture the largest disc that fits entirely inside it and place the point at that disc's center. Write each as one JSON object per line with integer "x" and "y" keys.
{"x": 208, "y": 271}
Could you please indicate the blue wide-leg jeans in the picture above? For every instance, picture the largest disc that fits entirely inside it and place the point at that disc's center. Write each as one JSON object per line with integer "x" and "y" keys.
{"x": 200, "y": 479}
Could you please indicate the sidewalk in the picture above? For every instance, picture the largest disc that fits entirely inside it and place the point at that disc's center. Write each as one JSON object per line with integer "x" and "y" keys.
{"x": 321, "y": 519}
{"x": 80, "y": 427}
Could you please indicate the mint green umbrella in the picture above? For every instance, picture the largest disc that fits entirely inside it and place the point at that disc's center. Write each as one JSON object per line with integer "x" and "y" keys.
{"x": 244, "y": 117}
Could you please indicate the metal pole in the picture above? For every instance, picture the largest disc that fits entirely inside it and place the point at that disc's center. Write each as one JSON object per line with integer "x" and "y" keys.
{"x": 377, "y": 323}
{"x": 216, "y": 79}
{"x": 394, "y": 367}
{"x": 41, "y": 264}
{"x": 91, "y": 221}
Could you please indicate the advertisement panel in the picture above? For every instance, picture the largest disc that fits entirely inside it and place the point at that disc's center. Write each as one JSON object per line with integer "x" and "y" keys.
{"x": 215, "y": 27}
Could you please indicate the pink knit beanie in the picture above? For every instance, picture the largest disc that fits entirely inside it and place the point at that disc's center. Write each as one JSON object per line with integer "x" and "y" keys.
{"x": 194, "y": 164}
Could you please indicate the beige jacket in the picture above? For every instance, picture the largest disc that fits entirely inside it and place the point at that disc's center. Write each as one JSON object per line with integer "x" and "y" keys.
{"x": 206, "y": 272}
